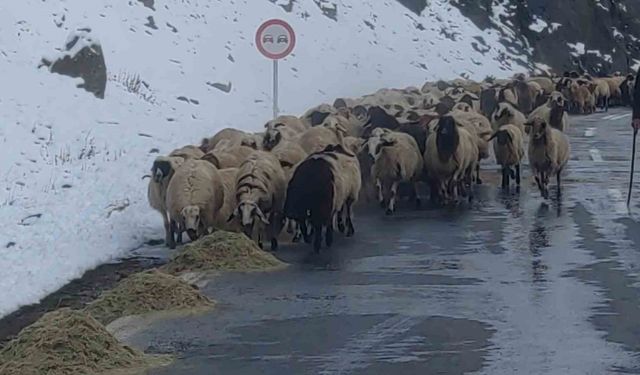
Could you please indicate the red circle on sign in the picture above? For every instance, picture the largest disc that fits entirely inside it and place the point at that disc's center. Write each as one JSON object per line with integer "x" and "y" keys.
{"x": 261, "y": 40}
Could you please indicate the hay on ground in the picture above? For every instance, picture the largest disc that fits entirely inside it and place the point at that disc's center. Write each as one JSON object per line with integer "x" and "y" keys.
{"x": 224, "y": 251}
{"x": 145, "y": 292}
{"x": 67, "y": 342}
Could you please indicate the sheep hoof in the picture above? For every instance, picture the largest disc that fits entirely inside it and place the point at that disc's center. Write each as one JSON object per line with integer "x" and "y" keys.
{"x": 274, "y": 244}
{"x": 418, "y": 203}
{"x": 341, "y": 226}
{"x": 297, "y": 238}
{"x": 479, "y": 181}
{"x": 389, "y": 212}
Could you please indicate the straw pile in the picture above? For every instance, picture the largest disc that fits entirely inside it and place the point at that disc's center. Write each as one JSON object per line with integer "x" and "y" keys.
{"x": 223, "y": 251}
{"x": 67, "y": 342}
{"x": 145, "y": 292}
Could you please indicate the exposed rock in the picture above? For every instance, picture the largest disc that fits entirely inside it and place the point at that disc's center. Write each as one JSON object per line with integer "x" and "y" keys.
{"x": 82, "y": 57}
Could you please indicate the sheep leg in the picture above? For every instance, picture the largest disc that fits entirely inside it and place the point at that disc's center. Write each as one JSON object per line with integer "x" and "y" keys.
{"x": 478, "y": 179}
{"x": 341, "y": 220}
{"x": 558, "y": 182}
{"x": 350, "y": 229}
{"x": 317, "y": 240}
{"x": 170, "y": 239}
{"x": 168, "y": 233}
{"x": 416, "y": 197}
{"x": 290, "y": 226}
{"x": 505, "y": 178}
{"x": 179, "y": 233}
{"x": 329, "y": 235}
{"x": 392, "y": 200}
{"x": 380, "y": 193}
{"x": 518, "y": 174}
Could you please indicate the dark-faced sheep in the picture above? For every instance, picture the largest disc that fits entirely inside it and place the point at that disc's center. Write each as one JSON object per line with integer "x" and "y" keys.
{"x": 508, "y": 146}
{"x": 507, "y": 113}
{"x": 553, "y": 112}
{"x": 549, "y": 151}
{"x": 162, "y": 172}
{"x": 450, "y": 159}
{"x": 323, "y": 187}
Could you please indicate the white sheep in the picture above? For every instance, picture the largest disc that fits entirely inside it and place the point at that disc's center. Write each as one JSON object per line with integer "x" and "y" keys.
{"x": 397, "y": 160}
{"x": 232, "y": 136}
{"x": 228, "y": 179}
{"x": 282, "y": 128}
{"x": 549, "y": 151}
{"x": 223, "y": 157}
{"x": 194, "y": 197}
{"x": 260, "y": 194}
{"x": 188, "y": 152}
{"x": 508, "y": 147}
{"x": 318, "y": 138}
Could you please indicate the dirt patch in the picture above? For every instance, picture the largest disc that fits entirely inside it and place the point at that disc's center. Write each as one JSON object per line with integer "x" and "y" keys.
{"x": 222, "y": 251}
{"x": 69, "y": 342}
{"x": 146, "y": 292}
{"x": 76, "y": 295}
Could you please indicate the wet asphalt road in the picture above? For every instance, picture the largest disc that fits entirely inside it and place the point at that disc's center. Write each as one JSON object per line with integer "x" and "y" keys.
{"x": 509, "y": 285}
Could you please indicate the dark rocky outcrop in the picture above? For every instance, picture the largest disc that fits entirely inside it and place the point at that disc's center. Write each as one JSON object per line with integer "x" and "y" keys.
{"x": 82, "y": 58}
{"x": 608, "y": 29}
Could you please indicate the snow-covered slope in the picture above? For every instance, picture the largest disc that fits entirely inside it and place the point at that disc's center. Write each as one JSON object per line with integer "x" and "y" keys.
{"x": 71, "y": 194}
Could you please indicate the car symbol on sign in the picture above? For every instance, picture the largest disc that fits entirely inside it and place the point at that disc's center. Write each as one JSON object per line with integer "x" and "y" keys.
{"x": 283, "y": 39}
{"x": 267, "y": 38}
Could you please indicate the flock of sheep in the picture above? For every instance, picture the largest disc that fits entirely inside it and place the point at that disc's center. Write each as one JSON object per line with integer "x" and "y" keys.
{"x": 306, "y": 173}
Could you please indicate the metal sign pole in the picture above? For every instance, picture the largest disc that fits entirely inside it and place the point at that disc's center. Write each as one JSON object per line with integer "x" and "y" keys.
{"x": 275, "y": 88}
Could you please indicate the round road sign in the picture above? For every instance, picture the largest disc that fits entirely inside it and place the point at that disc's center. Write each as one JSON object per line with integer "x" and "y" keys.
{"x": 275, "y": 39}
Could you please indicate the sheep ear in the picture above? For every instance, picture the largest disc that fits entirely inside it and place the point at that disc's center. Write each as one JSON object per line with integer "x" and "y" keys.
{"x": 146, "y": 176}
{"x": 388, "y": 142}
{"x": 234, "y": 214}
{"x": 261, "y": 216}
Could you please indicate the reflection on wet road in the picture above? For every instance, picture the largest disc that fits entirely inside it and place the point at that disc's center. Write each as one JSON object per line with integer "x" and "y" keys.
{"x": 510, "y": 285}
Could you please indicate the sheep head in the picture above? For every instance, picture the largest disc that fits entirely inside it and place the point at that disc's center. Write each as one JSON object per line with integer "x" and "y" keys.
{"x": 190, "y": 216}
{"x": 447, "y": 138}
{"x": 272, "y": 138}
{"x": 503, "y": 137}
{"x": 247, "y": 212}
{"x": 538, "y": 129}
{"x": 161, "y": 168}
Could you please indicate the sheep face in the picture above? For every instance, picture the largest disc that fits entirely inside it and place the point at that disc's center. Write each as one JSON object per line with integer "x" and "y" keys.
{"x": 316, "y": 117}
{"x": 373, "y": 142}
{"x": 538, "y": 129}
{"x": 191, "y": 220}
{"x": 502, "y": 137}
{"x": 463, "y": 106}
{"x": 360, "y": 112}
{"x": 272, "y": 138}
{"x": 247, "y": 212}
{"x": 447, "y": 138}
{"x": 557, "y": 99}
{"x": 502, "y": 112}
{"x": 160, "y": 170}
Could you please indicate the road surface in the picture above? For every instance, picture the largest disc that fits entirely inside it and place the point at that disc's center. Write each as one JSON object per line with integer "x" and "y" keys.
{"x": 509, "y": 285}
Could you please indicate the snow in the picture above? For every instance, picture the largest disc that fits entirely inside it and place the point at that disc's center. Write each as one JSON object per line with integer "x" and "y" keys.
{"x": 71, "y": 193}
{"x": 538, "y": 25}
{"x": 578, "y": 48}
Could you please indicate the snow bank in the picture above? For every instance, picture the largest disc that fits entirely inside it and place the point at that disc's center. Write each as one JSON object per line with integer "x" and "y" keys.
{"x": 71, "y": 194}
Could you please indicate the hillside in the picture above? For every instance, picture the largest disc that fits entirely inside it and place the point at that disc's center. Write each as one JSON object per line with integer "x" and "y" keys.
{"x": 170, "y": 72}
